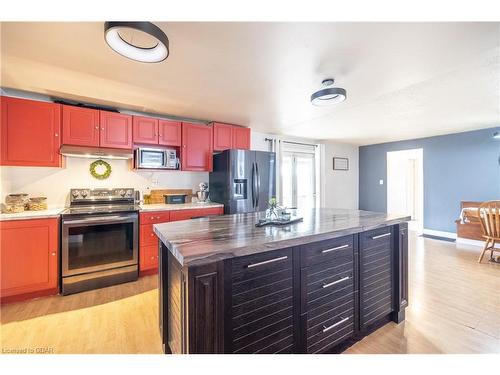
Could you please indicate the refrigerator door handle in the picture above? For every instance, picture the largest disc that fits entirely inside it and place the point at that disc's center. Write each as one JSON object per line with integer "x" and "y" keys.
{"x": 258, "y": 185}
{"x": 253, "y": 184}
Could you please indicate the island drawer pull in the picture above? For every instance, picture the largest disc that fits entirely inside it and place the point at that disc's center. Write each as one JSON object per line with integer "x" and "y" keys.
{"x": 326, "y": 329}
{"x": 267, "y": 262}
{"x": 336, "y": 282}
{"x": 381, "y": 236}
{"x": 335, "y": 248}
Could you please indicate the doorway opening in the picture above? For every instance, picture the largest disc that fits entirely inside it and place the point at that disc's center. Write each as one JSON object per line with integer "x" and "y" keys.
{"x": 405, "y": 186}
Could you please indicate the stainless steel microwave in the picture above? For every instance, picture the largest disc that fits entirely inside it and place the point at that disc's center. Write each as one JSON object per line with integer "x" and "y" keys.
{"x": 156, "y": 158}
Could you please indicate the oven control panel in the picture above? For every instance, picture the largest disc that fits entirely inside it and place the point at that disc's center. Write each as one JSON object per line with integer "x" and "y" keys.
{"x": 83, "y": 195}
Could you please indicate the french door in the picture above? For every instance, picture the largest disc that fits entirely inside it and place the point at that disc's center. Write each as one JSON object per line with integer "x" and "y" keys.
{"x": 298, "y": 180}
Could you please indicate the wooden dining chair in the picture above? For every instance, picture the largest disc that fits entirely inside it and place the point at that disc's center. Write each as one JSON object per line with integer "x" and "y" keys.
{"x": 489, "y": 217}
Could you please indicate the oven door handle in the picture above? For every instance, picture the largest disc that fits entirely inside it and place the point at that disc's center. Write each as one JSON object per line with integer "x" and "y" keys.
{"x": 107, "y": 220}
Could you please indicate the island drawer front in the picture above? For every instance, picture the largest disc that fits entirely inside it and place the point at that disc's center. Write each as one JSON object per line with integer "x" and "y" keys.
{"x": 261, "y": 264}
{"x": 322, "y": 292}
{"x": 325, "y": 251}
{"x": 262, "y": 303}
{"x": 375, "y": 237}
{"x": 330, "y": 328}
{"x": 154, "y": 217}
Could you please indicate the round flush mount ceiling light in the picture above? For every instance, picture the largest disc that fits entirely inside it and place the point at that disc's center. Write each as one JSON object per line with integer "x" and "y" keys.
{"x": 328, "y": 94}
{"x": 150, "y": 45}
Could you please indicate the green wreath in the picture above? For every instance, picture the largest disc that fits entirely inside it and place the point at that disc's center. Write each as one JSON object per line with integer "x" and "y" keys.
{"x": 99, "y": 163}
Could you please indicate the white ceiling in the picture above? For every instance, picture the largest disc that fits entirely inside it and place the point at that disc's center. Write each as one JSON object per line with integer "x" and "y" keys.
{"x": 403, "y": 80}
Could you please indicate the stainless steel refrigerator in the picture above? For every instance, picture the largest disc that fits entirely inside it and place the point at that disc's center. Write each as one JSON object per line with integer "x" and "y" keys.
{"x": 242, "y": 180}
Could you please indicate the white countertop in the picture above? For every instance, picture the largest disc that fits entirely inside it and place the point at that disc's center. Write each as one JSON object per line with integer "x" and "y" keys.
{"x": 55, "y": 212}
{"x": 43, "y": 214}
{"x": 180, "y": 206}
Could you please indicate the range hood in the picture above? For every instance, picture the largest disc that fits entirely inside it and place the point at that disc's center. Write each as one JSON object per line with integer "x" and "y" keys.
{"x": 96, "y": 152}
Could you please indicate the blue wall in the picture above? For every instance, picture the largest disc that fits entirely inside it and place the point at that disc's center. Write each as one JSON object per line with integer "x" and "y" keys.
{"x": 462, "y": 166}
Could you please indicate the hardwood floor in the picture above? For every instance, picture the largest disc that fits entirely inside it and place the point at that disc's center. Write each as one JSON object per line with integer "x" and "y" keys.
{"x": 454, "y": 308}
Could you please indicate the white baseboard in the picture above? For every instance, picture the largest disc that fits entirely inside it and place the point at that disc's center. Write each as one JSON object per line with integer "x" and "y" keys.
{"x": 439, "y": 233}
{"x": 467, "y": 241}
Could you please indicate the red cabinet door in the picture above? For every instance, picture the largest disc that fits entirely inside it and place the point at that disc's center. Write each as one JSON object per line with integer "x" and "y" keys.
{"x": 169, "y": 133}
{"x": 196, "y": 153}
{"x": 148, "y": 259}
{"x": 29, "y": 252}
{"x": 116, "y": 130}
{"x": 80, "y": 126}
{"x": 223, "y": 136}
{"x": 145, "y": 130}
{"x": 30, "y": 133}
{"x": 241, "y": 138}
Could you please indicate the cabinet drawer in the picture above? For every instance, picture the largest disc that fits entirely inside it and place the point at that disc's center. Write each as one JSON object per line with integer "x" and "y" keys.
{"x": 196, "y": 213}
{"x": 260, "y": 264}
{"x": 319, "y": 286}
{"x": 325, "y": 251}
{"x": 381, "y": 237}
{"x": 148, "y": 257}
{"x": 334, "y": 326}
{"x": 154, "y": 217}
{"x": 147, "y": 236}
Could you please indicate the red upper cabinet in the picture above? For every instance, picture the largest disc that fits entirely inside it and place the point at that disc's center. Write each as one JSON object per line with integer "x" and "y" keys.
{"x": 145, "y": 130}
{"x": 29, "y": 252}
{"x": 116, "y": 130}
{"x": 241, "y": 138}
{"x": 196, "y": 152}
{"x": 169, "y": 133}
{"x": 80, "y": 126}
{"x": 223, "y": 136}
{"x": 30, "y": 133}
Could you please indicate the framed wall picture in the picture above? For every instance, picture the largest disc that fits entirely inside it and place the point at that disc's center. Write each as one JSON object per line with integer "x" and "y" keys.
{"x": 340, "y": 164}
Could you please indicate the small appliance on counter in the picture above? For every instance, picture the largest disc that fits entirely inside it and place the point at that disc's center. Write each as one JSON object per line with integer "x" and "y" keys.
{"x": 175, "y": 198}
{"x": 156, "y": 158}
{"x": 202, "y": 194}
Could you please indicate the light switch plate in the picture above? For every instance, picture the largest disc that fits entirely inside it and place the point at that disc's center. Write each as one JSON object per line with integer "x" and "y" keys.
{"x": 380, "y": 182}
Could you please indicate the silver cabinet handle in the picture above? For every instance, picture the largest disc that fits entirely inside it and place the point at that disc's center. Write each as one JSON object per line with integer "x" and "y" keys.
{"x": 335, "y": 248}
{"x": 336, "y": 282}
{"x": 381, "y": 236}
{"x": 326, "y": 329}
{"x": 267, "y": 262}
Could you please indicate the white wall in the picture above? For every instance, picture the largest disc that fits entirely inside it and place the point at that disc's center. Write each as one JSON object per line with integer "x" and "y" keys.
{"x": 54, "y": 183}
{"x": 339, "y": 188}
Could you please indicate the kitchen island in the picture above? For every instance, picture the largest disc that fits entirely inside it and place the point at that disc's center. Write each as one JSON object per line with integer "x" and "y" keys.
{"x": 315, "y": 286}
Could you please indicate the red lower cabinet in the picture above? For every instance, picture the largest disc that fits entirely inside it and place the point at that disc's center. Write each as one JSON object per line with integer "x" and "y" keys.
{"x": 29, "y": 252}
{"x": 148, "y": 241}
{"x": 148, "y": 260}
{"x": 195, "y": 213}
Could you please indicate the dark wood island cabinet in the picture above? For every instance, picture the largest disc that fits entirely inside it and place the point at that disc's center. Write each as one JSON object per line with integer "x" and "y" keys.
{"x": 313, "y": 287}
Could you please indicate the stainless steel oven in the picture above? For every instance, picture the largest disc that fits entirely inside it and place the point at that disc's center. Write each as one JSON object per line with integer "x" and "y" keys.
{"x": 99, "y": 246}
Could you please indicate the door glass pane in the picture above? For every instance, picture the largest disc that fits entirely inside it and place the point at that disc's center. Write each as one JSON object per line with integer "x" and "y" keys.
{"x": 96, "y": 245}
{"x": 305, "y": 181}
{"x": 287, "y": 180}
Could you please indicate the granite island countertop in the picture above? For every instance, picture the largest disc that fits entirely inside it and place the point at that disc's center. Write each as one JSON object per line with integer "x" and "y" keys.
{"x": 206, "y": 240}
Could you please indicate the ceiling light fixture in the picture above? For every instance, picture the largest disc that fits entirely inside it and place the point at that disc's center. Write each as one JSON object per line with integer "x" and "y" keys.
{"x": 116, "y": 41}
{"x": 328, "y": 94}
